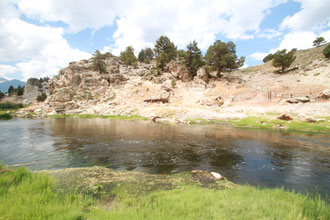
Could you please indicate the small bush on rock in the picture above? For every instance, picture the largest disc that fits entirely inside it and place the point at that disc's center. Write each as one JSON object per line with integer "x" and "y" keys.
{"x": 42, "y": 97}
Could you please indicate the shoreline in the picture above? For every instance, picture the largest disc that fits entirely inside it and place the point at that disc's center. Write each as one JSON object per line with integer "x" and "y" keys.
{"x": 257, "y": 121}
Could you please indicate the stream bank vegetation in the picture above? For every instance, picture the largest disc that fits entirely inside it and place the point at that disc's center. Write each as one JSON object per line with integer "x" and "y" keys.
{"x": 8, "y": 110}
{"x": 101, "y": 193}
{"x": 268, "y": 121}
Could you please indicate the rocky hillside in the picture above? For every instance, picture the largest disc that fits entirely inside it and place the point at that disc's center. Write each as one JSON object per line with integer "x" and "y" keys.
{"x": 173, "y": 96}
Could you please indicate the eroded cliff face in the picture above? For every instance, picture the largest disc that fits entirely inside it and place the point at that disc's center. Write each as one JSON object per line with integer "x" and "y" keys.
{"x": 125, "y": 90}
{"x": 78, "y": 88}
{"x": 33, "y": 89}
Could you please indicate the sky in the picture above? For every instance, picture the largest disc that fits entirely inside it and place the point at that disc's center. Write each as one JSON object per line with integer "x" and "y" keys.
{"x": 39, "y": 37}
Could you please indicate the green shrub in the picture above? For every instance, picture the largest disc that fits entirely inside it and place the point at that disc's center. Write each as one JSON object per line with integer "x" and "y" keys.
{"x": 8, "y": 105}
{"x": 42, "y": 97}
{"x": 98, "y": 62}
{"x": 268, "y": 58}
{"x": 326, "y": 51}
{"x": 5, "y": 116}
{"x": 173, "y": 83}
{"x": 128, "y": 56}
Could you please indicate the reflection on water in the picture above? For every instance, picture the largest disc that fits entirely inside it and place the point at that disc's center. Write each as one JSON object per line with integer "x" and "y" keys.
{"x": 297, "y": 161}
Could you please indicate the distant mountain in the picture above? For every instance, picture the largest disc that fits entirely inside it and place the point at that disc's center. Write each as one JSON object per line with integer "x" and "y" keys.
{"x": 5, "y": 84}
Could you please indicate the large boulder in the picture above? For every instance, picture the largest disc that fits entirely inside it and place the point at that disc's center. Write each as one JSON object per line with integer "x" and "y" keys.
{"x": 179, "y": 71}
{"x": 33, "y": 89}
{"x": 202, "y": 77}
{"x": 325, "y": 94}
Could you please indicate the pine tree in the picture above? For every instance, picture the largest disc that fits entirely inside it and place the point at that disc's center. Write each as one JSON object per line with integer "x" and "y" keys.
{"x": 193, "y": 58}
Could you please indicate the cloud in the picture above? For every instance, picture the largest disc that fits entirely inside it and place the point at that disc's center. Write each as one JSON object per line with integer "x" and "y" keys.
{"x": 314, "y": 14}
{"x": 299, "y": 40}
{"x": 140, "y": 23}
{"x": 326, "y": 35}
{"x": 6, "y": 70}
{"x": 258, "y": 56}
{"x": 37, "y": 50}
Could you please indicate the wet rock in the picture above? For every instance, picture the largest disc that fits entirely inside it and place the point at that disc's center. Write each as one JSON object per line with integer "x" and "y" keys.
{"x": 285, "y": 117}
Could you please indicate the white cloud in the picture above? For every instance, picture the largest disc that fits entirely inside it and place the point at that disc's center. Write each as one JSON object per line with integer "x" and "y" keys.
{"x": 269, "y": 34}
{"x": 140, "y": 23}
{"x": 6, "y": 70}
{"x": 299, "y": 40}
{"x": 258, "y": 56}
{"x": 326, "y": 35}
{"x": 313, "y": 15}
{"x": 39, "y": 50}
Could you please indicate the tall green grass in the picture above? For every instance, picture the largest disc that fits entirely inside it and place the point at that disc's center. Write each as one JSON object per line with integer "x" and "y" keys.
{"x": 8, "y": 105}
{"x": 5, "y": 116}
{"x": 26, "y": 195}
{"x": 194, "y": 202}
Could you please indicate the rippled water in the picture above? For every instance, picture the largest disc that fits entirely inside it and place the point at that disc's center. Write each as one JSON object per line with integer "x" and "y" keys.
{"x": 299, "y": 161}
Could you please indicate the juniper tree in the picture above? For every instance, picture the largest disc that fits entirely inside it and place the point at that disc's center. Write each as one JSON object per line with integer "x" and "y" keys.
{"x": 223, "y": 56}
{"x": 318, "y": 41}
{"x": 128, "y": 56}
{"x": 268, "y": 57}
{"x": 165, "y": 51}
{"x": 98, "y": 62}
{"x": 283, "y": 59}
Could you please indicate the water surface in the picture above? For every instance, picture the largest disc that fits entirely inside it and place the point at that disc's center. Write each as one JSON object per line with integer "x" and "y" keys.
{"x": 299, "y": 161}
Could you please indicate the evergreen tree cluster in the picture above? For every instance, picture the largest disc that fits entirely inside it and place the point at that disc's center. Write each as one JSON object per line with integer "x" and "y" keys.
{"x": 19, "y": 91}
{"x": 222, "y": 56}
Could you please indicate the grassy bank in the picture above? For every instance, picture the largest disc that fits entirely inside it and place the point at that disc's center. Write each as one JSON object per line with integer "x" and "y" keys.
{"x": 293, "y": 125}
{"x": 8, "y": 110}
{"x": 122, "y": 117}
{"x": 26, "y": 195}
{"x": 269, "y": 122}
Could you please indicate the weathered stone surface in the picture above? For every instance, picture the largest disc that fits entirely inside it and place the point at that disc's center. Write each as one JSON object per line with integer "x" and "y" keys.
{"x": 202, "y": 77}
{"x": 33, "y": 89}
{"x": 325, "y": 94}
{"x": 179, "y": 71}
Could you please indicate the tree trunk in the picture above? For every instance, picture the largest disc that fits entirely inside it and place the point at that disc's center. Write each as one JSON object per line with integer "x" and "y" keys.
{"x": 219, "y": 75}
{"x": 283, "y": 69}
